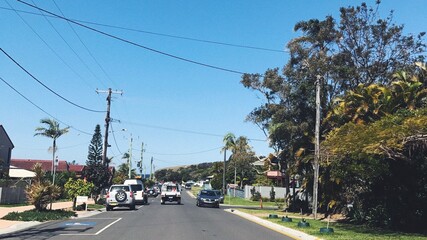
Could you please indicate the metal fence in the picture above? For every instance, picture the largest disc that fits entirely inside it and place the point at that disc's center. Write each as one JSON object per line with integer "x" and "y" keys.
{"x": 236, "y": 193}
{"x": 12, "y": 195}
{"x": 13, "y": 191}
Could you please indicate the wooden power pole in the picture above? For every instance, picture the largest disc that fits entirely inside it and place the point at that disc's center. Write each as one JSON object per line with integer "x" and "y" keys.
{"x": 107, "y": 121}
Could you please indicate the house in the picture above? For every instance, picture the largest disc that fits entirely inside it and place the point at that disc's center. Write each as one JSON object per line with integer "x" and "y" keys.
{"x": 6, "y": 147}
{"x": 46, "y": 165}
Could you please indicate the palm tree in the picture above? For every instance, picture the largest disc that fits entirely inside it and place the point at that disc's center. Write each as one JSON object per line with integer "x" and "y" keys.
{"x": 229, "y": 141}
{"x": 51, "y": 131}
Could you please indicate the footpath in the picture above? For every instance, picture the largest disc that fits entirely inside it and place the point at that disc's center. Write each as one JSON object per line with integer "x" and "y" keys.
{"x": 7, "y": 226}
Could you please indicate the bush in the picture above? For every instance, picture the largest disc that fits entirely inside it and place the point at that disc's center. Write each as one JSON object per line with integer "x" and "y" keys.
{"x": 256, "y": 196}
{"x": 101, "y": 201}
{"x": 40, "y": 216}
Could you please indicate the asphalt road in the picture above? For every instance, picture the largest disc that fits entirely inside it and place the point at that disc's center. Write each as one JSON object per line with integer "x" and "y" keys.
{"x": 154, "y": 222}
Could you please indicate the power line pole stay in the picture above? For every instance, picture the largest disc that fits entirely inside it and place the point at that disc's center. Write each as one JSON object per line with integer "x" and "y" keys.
{"x": 107, "y": 121}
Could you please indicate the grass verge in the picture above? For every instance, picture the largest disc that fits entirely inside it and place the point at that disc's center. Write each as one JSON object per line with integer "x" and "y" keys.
{"x": 40, "y": 216}
{"x": 342, "y": 231}
{"x": 236, "y": 200}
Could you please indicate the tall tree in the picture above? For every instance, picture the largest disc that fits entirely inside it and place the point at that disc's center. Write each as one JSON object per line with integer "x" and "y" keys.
{"x": 95, "y": 171}
{"x": 53, "y": 131}
{"x": 228, "y": 141}
{"x": 358, "y": 50}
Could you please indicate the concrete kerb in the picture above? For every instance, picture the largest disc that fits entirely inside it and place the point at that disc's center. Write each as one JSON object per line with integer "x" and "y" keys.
{"x": 295, "y": 234}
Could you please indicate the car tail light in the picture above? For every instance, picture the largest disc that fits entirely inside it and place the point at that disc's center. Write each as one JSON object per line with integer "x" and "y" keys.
{"x": 108, "y": 194}
{"x": 131, "y": 194}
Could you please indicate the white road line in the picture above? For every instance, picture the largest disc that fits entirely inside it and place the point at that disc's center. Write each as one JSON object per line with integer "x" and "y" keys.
{"x": 109, "y": 225}
{"x": 92, "y": 234}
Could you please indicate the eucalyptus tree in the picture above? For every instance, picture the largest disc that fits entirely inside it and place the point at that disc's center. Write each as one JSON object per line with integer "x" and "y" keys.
{"x": 356, "y": 50}
{"x": 53, "y": 131}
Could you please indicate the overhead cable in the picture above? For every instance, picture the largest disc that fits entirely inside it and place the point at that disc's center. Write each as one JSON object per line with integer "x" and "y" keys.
{"x": 163, "y": 34}
{"x": 44, "y": 85}
{"x": 41, "y": 109}
{"x": 185, "y": 131}
{"x": 136, "y": 44}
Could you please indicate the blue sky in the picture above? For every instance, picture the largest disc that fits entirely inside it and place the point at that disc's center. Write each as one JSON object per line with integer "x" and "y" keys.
{"x": 178, "y": 109}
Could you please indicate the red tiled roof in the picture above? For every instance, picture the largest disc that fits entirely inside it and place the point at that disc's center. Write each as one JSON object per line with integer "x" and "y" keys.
{"x": 76, "y": 168}
{"x": 28, "y": 164}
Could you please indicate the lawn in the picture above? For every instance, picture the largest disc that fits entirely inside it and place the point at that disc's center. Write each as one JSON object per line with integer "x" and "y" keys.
{"x": 341, "y": 230}
{"x": 236, "y": 200}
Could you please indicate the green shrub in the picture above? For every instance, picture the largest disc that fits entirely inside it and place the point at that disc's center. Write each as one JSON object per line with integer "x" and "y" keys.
{"x": 40, "y": 216}
{"x": 256, "y": 196}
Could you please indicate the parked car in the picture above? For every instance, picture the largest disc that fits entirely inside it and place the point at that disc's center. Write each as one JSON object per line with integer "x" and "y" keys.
{"x": 221, "y": 196}
{"x": 188, "y": 186}
{"x": 207, "y": 198}
{"x": 171, "y": 192}
{"x": 120, "y": 196}
{"x": 138, "y": 189}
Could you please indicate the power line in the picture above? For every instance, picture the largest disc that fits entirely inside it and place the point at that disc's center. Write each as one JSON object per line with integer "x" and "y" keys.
{"x": 115, "y": 141}
{"x": 52, "y": 91}
{"x": 48, "y": 46}
{"x": 183, "y": 154}
{"x": 41, "y": 109}
{"x": 184, "y": 131}
{"x": 71, "y": 48}
{"x": 137, "y": 44}
{"x": 164, "y": 34}
{"x": 85, "y": 46}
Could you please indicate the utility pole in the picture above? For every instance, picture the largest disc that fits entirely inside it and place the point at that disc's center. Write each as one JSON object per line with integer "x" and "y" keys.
{"x": 151, "y": 169}
{"x": 130, "y": 156}
{"x": 140, "y": 163}
{"x": 107, "y": 121}
{"x": 223, "y": 173}
{"x": 316, "y": 147}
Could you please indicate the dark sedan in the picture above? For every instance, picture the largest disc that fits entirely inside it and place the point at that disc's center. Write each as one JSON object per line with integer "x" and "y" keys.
{"x": 207, "y": 198}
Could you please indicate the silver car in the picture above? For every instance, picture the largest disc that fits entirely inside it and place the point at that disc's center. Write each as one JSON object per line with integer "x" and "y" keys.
{"x": 120, "y": 196}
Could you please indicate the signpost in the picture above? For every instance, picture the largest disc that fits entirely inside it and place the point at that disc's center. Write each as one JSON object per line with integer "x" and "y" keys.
{"x": 82, "y": 199}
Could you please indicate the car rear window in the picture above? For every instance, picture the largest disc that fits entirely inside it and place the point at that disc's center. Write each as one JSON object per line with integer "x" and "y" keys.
{"x": 208, "y": 193}
{"x": 171, "y": 188}
{"x": 136, "y": 187}
{"x": 117, "y": 188}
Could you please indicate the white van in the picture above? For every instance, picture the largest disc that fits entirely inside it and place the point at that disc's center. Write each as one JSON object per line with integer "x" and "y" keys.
{"x": 138, "y": 190}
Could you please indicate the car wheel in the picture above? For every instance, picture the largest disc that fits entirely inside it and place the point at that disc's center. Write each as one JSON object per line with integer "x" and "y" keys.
{"x": 121, "y": 196}
{"x": 179, "y": 202}
{"x": 132, "y": 207}
{"x": 108, "y": 208}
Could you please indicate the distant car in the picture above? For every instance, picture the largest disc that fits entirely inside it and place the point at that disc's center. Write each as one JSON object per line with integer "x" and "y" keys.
{"x": 120, "y": 196}
{"x": 188, "y": 186}
{"x": 152, "y": 192}
{"x": 207, "y": 198}
{"x": 138, "y": 190}
{"x": 171, "y": 192}
{"x": 221, "y": 196}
